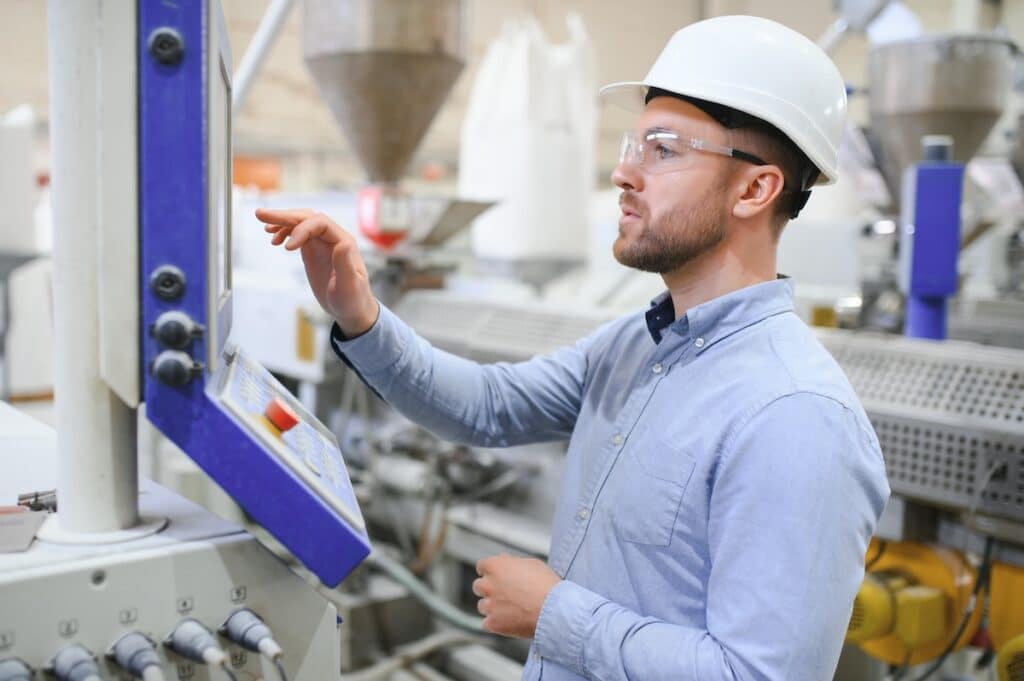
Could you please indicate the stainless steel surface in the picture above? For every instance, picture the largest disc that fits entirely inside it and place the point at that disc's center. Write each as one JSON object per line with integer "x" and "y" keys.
{"x": 384, "y": 67}
{"x": 936, "y": 85}
{"x": 441, "y": 219}
{"x": 477, "y": 663}
{"x": 997, "y": 321}
{"x": 949, "y": 417}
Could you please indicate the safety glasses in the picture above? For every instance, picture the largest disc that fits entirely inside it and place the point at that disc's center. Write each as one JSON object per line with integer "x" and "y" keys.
{"x": 660, "y": 150}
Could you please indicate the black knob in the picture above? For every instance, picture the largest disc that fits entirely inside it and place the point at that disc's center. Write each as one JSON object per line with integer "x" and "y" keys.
{"x": 167, "y": 282}
{"x": 167, "y": 46}
{"x": 174, "y": 368}
{"x": 176, "y": 330}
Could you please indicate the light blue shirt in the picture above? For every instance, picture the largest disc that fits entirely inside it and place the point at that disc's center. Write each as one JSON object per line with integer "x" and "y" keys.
{"x": 720, "y": 488}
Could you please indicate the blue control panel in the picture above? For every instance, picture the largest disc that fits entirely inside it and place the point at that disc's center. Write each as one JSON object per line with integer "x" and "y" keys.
{"x": 221, "y": 408}
{"x": 308, "y": 449}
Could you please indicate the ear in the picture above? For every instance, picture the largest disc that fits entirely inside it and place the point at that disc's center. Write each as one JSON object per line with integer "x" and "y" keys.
{"x": 759, "y": 185}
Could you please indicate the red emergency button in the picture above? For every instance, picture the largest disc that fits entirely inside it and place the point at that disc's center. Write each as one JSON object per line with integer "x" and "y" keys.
{"x": 281, "y": 415}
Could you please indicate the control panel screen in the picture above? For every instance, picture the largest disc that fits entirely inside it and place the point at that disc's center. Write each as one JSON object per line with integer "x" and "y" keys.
{"x": 218, "y": 204}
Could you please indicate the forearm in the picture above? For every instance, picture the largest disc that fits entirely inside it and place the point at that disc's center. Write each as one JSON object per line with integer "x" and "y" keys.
{"x": 597, "y": 638}
{"x": 485, "y": 405}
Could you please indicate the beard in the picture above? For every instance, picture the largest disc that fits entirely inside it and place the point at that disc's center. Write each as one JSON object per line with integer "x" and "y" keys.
{"x": 669, "y": 241}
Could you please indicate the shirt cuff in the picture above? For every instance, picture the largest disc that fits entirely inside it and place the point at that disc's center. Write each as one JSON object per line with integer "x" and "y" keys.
{"x": 376, "y": 349}
{"x": 561, "y": 627}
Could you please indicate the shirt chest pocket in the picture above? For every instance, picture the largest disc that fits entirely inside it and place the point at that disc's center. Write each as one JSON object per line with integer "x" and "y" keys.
{"x": 649, "y": 483}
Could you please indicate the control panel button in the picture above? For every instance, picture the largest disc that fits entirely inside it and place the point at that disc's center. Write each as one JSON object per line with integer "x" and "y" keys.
{"x": 175, "y": 368}
{"x": 176, "y": 329}
{"x": 281, "y": 415}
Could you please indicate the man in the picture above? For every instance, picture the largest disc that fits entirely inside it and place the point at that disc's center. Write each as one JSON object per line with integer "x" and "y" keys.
{"x": 722, "y": 480}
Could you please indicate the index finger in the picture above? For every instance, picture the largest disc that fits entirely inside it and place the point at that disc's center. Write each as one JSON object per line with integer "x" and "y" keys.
{"x": 281, "y": 216}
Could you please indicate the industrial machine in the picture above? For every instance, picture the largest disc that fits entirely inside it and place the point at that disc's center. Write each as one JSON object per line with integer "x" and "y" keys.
{"x": 384, "y": 67}
{"x": 139, "y": 566}
{"x": 129, "y": 579}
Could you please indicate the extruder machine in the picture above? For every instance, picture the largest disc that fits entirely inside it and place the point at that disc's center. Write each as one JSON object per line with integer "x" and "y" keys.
{"x": 128, "y": 579}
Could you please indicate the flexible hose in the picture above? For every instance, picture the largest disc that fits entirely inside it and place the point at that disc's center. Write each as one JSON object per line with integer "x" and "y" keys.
{"x": 421, "y": 592}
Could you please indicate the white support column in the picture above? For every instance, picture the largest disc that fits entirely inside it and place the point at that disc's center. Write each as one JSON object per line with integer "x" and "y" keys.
{"x": 97, "y": 482}
{"x": 260, "y": 45}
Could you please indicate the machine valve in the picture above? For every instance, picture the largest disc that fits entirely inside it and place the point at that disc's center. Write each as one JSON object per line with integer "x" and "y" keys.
{"x": 175, "y": 368}
{"x": 176, "y": 330}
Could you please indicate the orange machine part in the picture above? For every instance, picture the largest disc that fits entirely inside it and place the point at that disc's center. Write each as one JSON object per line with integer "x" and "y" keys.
{"x": 928, "y": 565}
{"x": 1006, "y": 603}
{"x": 261, "y": 172}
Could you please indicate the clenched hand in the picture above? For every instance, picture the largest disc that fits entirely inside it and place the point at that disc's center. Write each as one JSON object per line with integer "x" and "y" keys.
{"x": 512, "y": 592}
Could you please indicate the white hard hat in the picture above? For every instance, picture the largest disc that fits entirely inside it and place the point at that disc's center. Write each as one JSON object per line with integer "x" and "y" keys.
{"x": 761, "y": 68}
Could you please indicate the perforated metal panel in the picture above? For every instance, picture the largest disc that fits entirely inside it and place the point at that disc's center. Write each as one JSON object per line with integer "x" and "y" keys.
{"x": 949, "y": 416}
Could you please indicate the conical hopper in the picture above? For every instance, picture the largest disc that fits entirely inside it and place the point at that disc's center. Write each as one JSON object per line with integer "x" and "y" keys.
{"x": 384, "y": 67}
{"x": 954, "y": 85}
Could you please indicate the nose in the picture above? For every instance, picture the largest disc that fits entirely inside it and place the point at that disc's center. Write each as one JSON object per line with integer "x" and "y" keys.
{"x": 628, "y": 176}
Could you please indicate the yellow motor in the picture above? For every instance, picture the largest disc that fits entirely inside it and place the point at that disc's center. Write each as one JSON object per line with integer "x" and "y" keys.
{"x": 1006, "y": 620}
{"x": 1010, "y": 660}
{"x": 911, "y": 602}
{"x": 872, "y": 614}
{"x": 887, "y": 604}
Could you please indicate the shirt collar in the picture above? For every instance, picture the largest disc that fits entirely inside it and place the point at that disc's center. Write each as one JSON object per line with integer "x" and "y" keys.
{"x": 721, "y": 317}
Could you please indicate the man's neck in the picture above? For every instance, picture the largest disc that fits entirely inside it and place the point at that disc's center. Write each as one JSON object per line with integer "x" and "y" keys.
{"x": 712, "y": 275}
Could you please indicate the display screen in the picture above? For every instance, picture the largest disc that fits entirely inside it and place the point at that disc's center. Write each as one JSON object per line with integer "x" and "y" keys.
{"x": 218, "y": 204}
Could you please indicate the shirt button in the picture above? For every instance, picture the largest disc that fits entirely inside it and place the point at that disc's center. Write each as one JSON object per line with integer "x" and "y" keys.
{"x": 583, "y": 513}
{"x": 656, "y": 368}
{"x": 699, "y": 342}
{"x": 616, "y": 439}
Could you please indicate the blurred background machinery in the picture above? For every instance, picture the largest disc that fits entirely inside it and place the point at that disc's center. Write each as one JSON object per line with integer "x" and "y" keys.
{"x": 912, "y": 268}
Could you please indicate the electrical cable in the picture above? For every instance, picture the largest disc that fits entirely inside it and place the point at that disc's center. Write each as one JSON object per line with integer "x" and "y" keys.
{"x": 280, "y": 670}
{"x": 985, "y": 480}
{"x": 882, "y": 546}
{"x": 981, "y": 583}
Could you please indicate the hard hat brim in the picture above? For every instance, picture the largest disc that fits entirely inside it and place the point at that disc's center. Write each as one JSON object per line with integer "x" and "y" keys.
{"x": 628, "y": 95}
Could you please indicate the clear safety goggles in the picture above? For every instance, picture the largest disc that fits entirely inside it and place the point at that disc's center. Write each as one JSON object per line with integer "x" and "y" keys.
{"x": 660, "y": 150}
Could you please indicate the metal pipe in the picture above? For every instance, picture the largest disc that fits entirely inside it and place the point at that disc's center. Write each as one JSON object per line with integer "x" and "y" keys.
{"x": 260, "y": 45}
{"x": 407, "y": 655}
{"x": 854, "y": 16}
{"x": 97, "y": 477}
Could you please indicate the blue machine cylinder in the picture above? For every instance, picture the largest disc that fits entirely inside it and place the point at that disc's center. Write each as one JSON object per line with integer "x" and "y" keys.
{"x": 930, "y": 240}
{"x": 925, "y": 317}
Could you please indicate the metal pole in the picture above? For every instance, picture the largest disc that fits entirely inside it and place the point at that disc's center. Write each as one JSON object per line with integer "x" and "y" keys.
{"x": 97, "y": 477}
{"x": 259, "y": 46}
